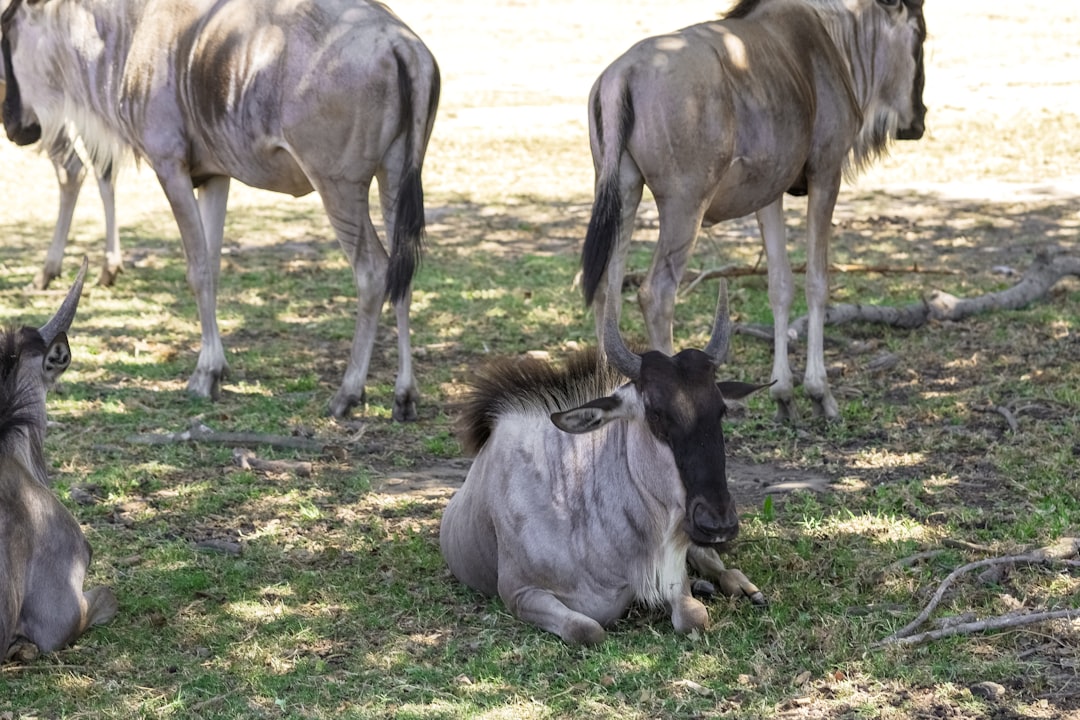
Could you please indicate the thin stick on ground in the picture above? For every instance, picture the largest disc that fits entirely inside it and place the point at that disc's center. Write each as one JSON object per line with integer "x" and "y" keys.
{"x": 1001, "y": 410}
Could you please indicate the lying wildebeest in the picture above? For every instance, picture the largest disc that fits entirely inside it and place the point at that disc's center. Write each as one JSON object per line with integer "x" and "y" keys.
{"x": 588, "y": 492}
{"x": 309, "y": 95}
{"x": 43, "y": 552}
{"x": 720, "y": 119}
{"x": 70, "y": 173}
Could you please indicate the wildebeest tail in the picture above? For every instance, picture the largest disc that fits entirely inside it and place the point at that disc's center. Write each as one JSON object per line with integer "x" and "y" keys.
{"x": 418, "y": 106}
{"x": 612, "y": 131}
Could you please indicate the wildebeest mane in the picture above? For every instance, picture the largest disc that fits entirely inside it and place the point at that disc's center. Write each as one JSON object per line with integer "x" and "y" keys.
{"x": 741, "y": 9}
{"x": 16, "y": 397}
{"x": 531, "y": 386}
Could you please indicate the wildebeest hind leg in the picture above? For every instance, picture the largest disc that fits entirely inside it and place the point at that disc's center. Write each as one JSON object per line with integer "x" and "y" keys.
{"x": 368, "y": 259}
{"x": 730, "y": 582}
{"x": 101, "y": 606}
{"x": 541, "y": 608}
{"x": 679, "y": 226}
{"x": 405, "y": 392}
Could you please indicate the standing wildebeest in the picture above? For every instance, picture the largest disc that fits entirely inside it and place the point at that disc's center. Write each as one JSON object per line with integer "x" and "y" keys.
{"x": 720, "y": 119}
{"x": 43, "y": 552}
{"x": 70, "y": 174}
{"x": 588, "y": 494}
{"x": 309, "y": 95}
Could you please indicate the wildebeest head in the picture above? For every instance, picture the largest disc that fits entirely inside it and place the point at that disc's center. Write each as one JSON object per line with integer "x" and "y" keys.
{"x": 907, "y": 16}
{"x": 30, "y": 361}
{"x": 680, "y": 403}
{"x": 20, "y": 129}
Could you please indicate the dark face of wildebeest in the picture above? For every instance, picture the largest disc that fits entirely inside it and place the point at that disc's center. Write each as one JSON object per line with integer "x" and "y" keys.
{"x": 683, "y": 408}
{"x": 915, "y": 130}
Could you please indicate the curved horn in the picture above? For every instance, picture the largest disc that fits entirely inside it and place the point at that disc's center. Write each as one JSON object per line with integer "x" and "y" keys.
{"x": 61, "y": 321}
{"x": 620, "y": 356}
{"x": 717, "y": 348}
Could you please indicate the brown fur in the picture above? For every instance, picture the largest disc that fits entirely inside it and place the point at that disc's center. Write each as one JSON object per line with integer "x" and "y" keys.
{"x": 508, "y": 385}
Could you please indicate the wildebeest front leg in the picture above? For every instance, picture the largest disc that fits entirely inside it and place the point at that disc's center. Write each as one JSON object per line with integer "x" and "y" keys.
{"x": 819, "y": 210}
{"x": 202, "y": 247}
{"x": 541, "y": 608}
{"x": 687, "y": 612}
{"x": 781, "y": 292}
{"x": 114, "y": 258}
{"x": 55, "y": 610}
{"x": 707, "y": 563}
{"x": 69, "y": 176}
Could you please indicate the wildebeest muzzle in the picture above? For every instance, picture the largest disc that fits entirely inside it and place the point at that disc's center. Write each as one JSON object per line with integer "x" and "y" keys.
{"x": 709, "y": 524}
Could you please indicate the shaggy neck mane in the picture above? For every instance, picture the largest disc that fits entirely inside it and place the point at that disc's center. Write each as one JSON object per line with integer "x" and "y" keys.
{"x": 531, "y": 387}
{"x": 855, "y": 35}
{"x": 21, "y": 431}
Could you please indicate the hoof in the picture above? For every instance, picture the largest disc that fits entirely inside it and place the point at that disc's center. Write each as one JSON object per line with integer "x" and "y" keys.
{"x": 343, "y": 403}
{"x": 41, "y": 280}
{"x": 405, "y": 407}
{"x": 204, "y": 384}
{"x": 826, "y": 408}
{"x": 786, "y": 414}
{"x": 108, "y": 275}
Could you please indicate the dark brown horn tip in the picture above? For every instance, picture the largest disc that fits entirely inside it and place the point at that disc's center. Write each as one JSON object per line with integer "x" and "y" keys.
{"x": 61, "y": 321}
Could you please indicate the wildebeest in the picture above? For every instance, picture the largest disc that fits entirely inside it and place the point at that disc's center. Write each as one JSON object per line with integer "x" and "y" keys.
{"x": 43, "y": 552}
{"x": 309, "y": 95}
{"x": 588, "y": 491}
{"x": 720, "y": 119}
{"x": 70, "y": 173}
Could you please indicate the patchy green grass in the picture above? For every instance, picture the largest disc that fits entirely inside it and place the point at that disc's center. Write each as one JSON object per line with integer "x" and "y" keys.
{"x": 249, "y": 593}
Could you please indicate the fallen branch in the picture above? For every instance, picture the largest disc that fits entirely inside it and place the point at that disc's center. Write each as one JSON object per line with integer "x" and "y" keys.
{"x": 1062, "y": 551}
{"x": 693, "y": 278}
{"x": 1049, "y": 266}
{"x": 247, "y": 460}
{"x": 201, "y": 433}
{"x": 1009, "y": 620}
{"x": 936, "y": 599}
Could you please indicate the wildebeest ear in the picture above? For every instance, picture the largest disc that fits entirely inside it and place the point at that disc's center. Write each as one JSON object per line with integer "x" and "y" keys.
{"x": 590, "y": 416}
{"x": 57, "y": 358}
{"x": 733, "y": 390}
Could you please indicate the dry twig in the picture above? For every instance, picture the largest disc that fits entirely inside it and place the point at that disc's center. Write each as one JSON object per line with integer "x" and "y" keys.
{"x": 1001, "y": 410}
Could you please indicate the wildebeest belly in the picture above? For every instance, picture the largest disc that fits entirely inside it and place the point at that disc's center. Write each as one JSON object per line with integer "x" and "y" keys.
{"x": 273, "y": 169}
{"x": 745, "y": 183}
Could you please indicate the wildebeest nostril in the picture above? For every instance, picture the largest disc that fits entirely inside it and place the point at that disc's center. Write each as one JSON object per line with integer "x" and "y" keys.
{"x": 720, "y": 523}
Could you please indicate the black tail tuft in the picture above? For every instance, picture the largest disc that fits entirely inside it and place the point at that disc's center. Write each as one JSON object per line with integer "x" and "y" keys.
{"x": 602, "y": 235}
{"x": 408, "y": 241}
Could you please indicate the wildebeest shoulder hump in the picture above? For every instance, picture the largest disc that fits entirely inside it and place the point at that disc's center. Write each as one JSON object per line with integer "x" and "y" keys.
{"x": 530, "y": 386}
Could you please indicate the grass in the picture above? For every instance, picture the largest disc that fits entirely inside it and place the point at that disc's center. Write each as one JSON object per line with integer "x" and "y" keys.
{"x": 252, "y": 594}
